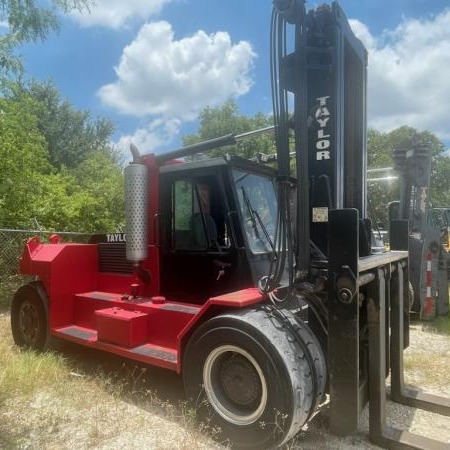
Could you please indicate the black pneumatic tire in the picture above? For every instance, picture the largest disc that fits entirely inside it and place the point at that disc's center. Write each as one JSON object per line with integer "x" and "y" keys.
{"x": 316, "y": 354}
{"x": 248, "y": 374}
{"x": 28, "y": 319}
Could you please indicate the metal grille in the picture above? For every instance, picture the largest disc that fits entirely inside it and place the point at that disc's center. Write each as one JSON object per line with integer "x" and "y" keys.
{"x": 112, "y": 258}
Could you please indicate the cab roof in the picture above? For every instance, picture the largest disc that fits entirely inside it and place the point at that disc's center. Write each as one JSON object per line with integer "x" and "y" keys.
{"x": 225, "y": 161}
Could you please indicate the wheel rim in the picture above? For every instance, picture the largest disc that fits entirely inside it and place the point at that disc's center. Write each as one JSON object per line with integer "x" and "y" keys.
{"x": 29, "y": 323}
{"x": 235, "y": 385}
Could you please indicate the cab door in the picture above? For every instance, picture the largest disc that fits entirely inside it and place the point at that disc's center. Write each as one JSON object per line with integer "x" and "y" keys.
{"x": 199, "y": 257}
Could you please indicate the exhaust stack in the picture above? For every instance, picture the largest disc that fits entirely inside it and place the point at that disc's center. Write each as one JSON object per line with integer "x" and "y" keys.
{"x": 136, "y": 214}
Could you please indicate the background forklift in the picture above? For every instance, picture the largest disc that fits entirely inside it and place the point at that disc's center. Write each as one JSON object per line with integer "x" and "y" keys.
{"x": 439, "y": 217}
{"x": 428, "y": 255}
{"x": 256, "y": 284}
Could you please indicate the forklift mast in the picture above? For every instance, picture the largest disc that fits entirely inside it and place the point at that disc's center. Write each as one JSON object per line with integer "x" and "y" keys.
{"x": 326, "y": 76}
{"x": 428, "y": 256}
{"x": 413, "y": 163}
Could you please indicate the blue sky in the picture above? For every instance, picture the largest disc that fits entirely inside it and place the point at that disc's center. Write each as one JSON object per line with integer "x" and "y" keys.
{"x": 152, "y": 65}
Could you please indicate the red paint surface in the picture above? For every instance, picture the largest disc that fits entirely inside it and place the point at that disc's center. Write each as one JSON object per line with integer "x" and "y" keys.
{"x": 114, "y": 282}
{"x": 164, "y": 321}
{"x": 237, "y": 299}
{"x": 121, "y": 351}
{"x": 152, "y": 262}
{"x": 63, "y": 270}
{"x": 428, "y": 307}
{"x": 121, "y": 327}
{"x": 71, "y": 279}
{"x": 100, "y": 306}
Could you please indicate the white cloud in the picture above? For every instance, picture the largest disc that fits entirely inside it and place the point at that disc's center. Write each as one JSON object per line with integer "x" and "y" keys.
{"x": 169, "y": 81}
{"x": 116, "y": 13}
{"x": 157, "y": 133}
{"x": 161, "y": 76}
{"x": 409, "y": 78}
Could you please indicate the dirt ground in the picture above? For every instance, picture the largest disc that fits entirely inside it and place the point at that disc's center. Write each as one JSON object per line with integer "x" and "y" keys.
{"x": 427, "y": 366}
{"x": 93, "y": 401}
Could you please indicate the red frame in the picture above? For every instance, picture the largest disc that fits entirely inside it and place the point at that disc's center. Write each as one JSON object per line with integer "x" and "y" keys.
{"x": 78, "y": 294}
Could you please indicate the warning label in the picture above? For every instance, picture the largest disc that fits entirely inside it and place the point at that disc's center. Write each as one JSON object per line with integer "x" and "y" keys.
{"x": 320, "y": 215}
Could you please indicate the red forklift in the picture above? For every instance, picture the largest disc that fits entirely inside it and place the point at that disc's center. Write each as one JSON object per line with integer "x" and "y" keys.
{"x": 256, "y": 284}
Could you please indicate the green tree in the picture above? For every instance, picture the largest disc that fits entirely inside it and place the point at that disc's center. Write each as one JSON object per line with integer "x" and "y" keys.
{"x": 23, "y": 159}
{"x": 440, "y": 181}
{"x": 101, "y": 178}
{"x": 28, "y": 21}
{"x": 89, "y": 200}
{"x": 80, "y": 191}
{"x": 216, "y": 122}
{"x": 71, "y": 134}
{"x": 380, "y": 150}
{"x": 381, "y": 145}
{"x": 226, "y": 119}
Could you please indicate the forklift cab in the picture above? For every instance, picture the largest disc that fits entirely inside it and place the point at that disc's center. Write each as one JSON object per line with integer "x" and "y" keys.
{"x": 217, "y": 223}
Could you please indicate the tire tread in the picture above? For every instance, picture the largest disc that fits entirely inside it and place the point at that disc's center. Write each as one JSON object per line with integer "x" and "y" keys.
{"x": 296, "y": 346}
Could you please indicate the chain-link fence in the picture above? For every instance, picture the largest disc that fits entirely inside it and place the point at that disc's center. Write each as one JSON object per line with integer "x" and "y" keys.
{"x": 11, "y": 246}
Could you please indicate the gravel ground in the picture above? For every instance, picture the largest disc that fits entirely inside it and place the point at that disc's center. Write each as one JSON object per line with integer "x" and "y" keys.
{"x": 93, "y": 411}
{"x": 431, "y": 352}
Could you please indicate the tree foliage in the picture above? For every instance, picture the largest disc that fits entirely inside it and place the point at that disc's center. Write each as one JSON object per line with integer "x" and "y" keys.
{"x": 380, "y": 150}
{"x": 28, "y": 21}
{"x": 56, "y": 165}
{"x": 88, "y": 199}
{"x": 23, "y": 158}
{"x": 216, "y": 122}
{"x": 71, "y": 134}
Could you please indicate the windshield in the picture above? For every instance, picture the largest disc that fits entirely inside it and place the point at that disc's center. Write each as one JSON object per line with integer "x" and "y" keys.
{"x": 258, "y": 205}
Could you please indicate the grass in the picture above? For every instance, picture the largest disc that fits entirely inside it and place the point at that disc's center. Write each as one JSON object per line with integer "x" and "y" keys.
{"x": 423, "y": 369}
{"x": 80, "y": 398}
{"x": 24, "y": 372}
{"x": 442, "y": 325}
{"x": 8, "y": 286}
{"x": 427, "y": 360}
{"x": 22, "y": 375}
